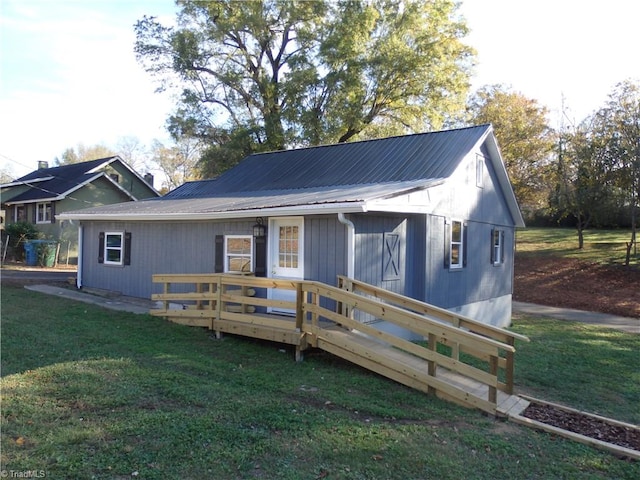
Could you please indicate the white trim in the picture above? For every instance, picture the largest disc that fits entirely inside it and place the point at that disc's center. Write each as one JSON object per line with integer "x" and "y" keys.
{"x": 106, "y": 248}
{"x": 300, "y": 210}
{"x": 80, "y": 262}
{"x": 351, "y": 244}
{"x": 17, "y": 183}
{"x": 45, "y": 220}
{"x": 251, "y": 253}
{"x": 460, "y": 263}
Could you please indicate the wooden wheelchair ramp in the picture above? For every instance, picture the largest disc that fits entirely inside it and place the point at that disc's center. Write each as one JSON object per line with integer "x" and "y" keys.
{"x": 459, "y": 359}
{"x": 412, "y": 371}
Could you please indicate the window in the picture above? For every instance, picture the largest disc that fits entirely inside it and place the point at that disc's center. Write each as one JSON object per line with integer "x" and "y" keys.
{"x": 497, "y": 246}
{"x": 479, "y": 170}
{"x": 456, "y": 251}
{"x": 43, "y": 213}
{"x": 288, "y": 247}
{"x": 20, "y": 213}
{"x": 114, "y": 248}
{"x": 238, "y": 253}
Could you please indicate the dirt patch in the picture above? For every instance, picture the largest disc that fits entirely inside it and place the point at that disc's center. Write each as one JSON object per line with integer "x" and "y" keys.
{"x": 570, "y": 283}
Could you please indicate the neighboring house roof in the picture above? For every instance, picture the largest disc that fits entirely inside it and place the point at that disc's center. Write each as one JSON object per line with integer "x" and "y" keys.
{"x": 56, "y": 183}
{"x": 341, "y": 178}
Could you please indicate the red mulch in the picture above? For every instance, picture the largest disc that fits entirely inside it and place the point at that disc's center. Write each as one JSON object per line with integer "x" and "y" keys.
{"x": 569, "y": 283}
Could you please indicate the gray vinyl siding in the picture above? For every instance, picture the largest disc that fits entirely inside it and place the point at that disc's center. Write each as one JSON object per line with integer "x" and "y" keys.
{"x": 325, "y": 247}
{"x": 156, "y": 247}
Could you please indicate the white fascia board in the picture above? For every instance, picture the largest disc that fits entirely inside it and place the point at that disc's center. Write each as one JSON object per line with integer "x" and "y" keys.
{"x": 39, "y": 200}
{"x": 324, "y": 209}
{"x": 26, "y": 182}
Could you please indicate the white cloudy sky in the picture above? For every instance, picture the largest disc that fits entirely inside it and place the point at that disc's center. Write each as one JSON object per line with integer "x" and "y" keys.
{"x": 68, "y": 74}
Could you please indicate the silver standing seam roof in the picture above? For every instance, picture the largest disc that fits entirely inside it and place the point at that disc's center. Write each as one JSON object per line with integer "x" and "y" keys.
{"x": 324, "y": 179}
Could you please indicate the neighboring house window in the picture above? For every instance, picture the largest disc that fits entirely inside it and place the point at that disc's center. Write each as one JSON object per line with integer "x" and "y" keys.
{"x": 20, "y": 213}
{"x": 114, "y": 248}
{"x": 43, "y": 212}
{"x": 238, "y": 253}
{"x": 455, "y": 256}
{"x": 497, "y": 246}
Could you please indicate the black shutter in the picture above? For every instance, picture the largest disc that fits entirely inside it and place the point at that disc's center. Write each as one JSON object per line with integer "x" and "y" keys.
{"x": 127, "y": 248}
{"x": 261, "y": 256}
{"x": 53, "y": 212}
{"x": 502, "y": 246}
{"x": 35, "y": 212}
{"x": 219, "y": 254}
{"x": 447, "y": 242}
{"x": 465, "y": 227}
{"x": 101, "y": 247}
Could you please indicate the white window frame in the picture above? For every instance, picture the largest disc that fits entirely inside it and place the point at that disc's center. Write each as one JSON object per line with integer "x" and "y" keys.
{"x": 457, "y": 243}
{"x": 43, "y": 214}
{"x": 250, "y": 256}
{"x": 480, "y": 171}
{"x": 108, "y": 248}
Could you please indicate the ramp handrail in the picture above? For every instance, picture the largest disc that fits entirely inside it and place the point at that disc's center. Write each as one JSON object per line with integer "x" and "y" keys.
{"x": 478, "y": 351}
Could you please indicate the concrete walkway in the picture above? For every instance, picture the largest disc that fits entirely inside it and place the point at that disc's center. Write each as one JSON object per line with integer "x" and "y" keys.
{"x": 141, "y": 306}
{"x": 625, "y": 324}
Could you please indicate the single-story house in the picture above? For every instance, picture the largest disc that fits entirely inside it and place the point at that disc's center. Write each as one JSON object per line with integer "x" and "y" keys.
{"x": 41, "y": 196}
{"x": 431, "y": 216}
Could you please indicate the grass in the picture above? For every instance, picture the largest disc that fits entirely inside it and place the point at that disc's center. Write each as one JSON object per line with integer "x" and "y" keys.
{"x": 600, "y": 246}
{"x": 89, "y": 393}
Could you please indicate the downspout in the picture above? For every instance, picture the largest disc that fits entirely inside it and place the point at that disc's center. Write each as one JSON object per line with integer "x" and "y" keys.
{"x": 79, "y": 273}
{"x": 351, "y": 244}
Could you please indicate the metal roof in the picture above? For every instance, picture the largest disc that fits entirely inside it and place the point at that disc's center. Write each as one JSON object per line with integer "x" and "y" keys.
{"x": 423, "y": 156}
{"x": 333, "y": 178}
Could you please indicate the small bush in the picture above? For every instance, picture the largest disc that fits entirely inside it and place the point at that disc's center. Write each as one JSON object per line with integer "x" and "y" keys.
{"x": 19, "y": 232}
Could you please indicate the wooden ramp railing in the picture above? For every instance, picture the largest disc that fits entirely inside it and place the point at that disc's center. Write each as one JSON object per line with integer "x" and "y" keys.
{"x": 460, "y": 359}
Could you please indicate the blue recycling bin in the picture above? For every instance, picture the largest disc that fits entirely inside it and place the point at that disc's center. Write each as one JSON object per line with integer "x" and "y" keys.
{"x": 30, "y": 253}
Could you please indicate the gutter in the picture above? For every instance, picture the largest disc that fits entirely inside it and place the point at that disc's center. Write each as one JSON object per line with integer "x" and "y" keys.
{"x": 351, "y": 244}
{"x": 79, "y": 270}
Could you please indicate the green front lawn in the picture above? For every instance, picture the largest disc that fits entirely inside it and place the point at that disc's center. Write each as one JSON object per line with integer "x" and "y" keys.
{"x": 90, "y": 393}
{"x": 600, "y": 246}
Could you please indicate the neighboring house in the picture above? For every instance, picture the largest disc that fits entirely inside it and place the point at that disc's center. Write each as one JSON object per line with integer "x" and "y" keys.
{"x": 431, "y": 216}
{"x": 41, "y": 196}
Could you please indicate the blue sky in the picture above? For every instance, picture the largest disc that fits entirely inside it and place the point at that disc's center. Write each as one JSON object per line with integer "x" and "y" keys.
{"x": 68, "y": 73}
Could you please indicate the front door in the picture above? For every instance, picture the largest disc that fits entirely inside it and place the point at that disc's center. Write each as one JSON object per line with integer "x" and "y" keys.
{"x": 286, "y": 256}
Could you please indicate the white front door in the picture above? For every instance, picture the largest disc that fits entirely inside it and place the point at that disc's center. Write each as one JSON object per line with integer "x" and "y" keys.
{"x": 286, "y": 256}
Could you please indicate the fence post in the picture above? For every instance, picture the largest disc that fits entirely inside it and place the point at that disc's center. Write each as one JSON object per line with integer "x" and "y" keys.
{"x": 218, "y": 308}
{"x": 493, "y": 370}
{"x": 509, "y": 374}
{"x": 431, "y": 364}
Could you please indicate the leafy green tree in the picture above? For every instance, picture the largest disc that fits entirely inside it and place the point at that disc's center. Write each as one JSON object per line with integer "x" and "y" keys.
{"x": 525, "y": 138}
{"x": 619, "y": 126}
{"x": 268, "y": 75}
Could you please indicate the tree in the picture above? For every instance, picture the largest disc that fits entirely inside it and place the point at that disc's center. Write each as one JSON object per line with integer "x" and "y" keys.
{"x": 525, "y": 138}
{"x": 178, "y": 163}
{"x": 268, "y": 75}
{"x": 82, "y": 153}
{"x": 620, "y": 127}
{"x": 584, "y": 188}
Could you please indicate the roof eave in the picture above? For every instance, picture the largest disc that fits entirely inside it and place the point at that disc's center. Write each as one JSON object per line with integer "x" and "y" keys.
{"x": 330, "y": 208}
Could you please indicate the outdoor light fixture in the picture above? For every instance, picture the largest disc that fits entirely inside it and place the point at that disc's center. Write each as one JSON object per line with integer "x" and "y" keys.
{"x": 259, "y": 230}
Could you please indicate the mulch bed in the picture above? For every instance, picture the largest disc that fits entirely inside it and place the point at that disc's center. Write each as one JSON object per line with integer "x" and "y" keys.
{"x": 584, "y": 425}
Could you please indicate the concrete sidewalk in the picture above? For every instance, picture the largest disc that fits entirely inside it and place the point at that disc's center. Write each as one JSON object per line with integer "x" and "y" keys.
{"x": 113, "y": 302}
{"x": 141, "y": 306}
{"x": 625, "y": 324}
